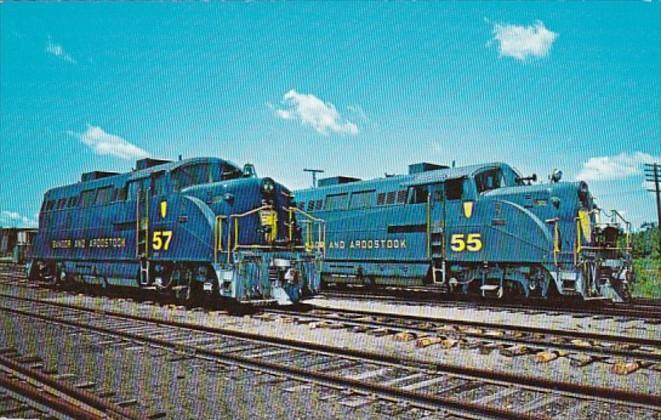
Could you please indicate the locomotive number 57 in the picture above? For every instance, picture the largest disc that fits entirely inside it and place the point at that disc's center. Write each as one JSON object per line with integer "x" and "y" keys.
{"x": 161, "y": 240}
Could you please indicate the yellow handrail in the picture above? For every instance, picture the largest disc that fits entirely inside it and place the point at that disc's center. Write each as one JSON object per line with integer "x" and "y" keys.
{"x": 556, "y": 242}
{"x": 147, "y": 224}
{"x": 321, "y": 234}
{"x": 577, "y": 245}
{"x": 428, "y": 222}
{"x": 218, "y": 236}
{"x": 137, "y": 227}
{"x": 236, "y": 224}
{"x": 233, "y": 230}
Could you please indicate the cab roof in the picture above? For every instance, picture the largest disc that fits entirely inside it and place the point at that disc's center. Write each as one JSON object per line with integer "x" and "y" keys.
{"x": 113, "y": 178}
{"x": 427, "y": 177}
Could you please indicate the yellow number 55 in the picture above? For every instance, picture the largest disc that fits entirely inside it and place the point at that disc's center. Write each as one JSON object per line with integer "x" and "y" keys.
{"x": 460, "y": 242}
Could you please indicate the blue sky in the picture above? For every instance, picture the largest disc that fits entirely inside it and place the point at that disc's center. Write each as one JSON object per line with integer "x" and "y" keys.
{"x": 353, "y": 88}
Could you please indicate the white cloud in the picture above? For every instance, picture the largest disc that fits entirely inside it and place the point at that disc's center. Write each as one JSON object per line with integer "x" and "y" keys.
{"x": 359, "y": 111}
{"x": 604, "y": 168}
{"x": 58, "y": 51}
{"x": 310, "y": 110}
{"x": 16, "y": 219}
{"x": 103, "y": 143}
{"x": 521, "y": 42}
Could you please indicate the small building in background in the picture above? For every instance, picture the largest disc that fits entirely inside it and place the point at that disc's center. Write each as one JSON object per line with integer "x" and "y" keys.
{"x": 15, "y": 243}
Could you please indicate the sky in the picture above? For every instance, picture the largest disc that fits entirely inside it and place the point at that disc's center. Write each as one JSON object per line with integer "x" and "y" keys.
{"x": 356, "y": 89}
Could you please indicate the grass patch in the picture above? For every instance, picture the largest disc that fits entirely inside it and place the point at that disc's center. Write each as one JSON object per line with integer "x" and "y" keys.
{"x": 648, "y": 278}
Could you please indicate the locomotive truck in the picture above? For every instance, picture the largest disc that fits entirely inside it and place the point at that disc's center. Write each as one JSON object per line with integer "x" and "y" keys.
{"x": 482, "y": 229}
{"x": 193, "y": 228}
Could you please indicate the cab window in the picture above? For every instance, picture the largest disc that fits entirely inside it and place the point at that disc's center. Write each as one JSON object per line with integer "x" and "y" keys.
{"x": 230, "y": 172}
{"x": 362, "y": 199}
{"x": 336, "y": 201}
{"x": 158, "y": 183}
{"x": 191, "y": 175}
{"x": 136, "y": 186}
{"x": 104, "y": 195}
{"x": 454, "y": 189}
{"x": 87, "y": 198}
{"x": 489, "y": 180}
{"x": 121, "y": 193}
{"x": 419, "y": 194}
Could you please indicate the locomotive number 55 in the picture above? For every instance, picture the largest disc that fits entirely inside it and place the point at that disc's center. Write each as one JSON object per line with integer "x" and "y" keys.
{"x": 471, "y": 242}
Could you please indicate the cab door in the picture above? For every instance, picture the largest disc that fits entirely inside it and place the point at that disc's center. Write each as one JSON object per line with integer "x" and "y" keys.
{"x": 463, "y": 236}
{"x": 436, "y": 221}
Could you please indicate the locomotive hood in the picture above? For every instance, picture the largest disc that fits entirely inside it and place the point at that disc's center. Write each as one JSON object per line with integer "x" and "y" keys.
{"x": 564, "y": 196}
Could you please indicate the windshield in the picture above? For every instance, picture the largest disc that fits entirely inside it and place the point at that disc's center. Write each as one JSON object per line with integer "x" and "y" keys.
{"x": 230, "y": 171}
{"x": 489, "y": 180}
{"x": 191, "y": 175}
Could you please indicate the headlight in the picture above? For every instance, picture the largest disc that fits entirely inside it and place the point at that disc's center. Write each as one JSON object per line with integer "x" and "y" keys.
{"x": 268, "y": 186}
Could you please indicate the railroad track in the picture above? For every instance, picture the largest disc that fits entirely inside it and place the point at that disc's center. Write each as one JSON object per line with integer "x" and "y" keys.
{"x": 625, "y": 354}
{"x": 27, "y": 392}
{"x": 354, "y": 376}
{"x": 639, "y": 308}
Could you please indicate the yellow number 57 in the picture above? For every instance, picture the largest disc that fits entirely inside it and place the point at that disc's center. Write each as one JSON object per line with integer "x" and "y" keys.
{"x": 460, "y": 242}
{"x": 161, "y": 240}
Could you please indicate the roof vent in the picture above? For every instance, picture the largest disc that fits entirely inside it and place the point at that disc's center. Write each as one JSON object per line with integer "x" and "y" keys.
{"x": 417, "y": 168}
{"x": 149, "y": 162}
{"x": 91, "y": 176}
{"x": 325, "y": 182}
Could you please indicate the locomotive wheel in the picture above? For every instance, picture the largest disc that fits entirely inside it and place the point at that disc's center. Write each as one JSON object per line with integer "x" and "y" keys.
{"x": 623, "y": 290}
{"x": 61, "y": 279}
{"x": 48, "y": 274}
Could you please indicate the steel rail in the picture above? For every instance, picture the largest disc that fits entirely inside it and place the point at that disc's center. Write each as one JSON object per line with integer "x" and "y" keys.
{"x": 76, "y": 394}
{"x": 582, "y": 390}
{"x": 424, "y": 399}
{"x": 654, "y": 357}
{"x": 45, "y": 399}
{"x": 642, "y": 341}
{"x": 431, "y": 296}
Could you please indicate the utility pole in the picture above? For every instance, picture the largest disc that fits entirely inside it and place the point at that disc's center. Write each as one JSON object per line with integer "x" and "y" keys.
{"x": 314, "y": 175}
{"x": 653, "y": 175}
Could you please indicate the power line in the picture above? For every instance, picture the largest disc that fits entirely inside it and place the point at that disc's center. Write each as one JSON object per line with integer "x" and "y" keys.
{"x": 653, "y": 175}
{"x": 314, "y": 175}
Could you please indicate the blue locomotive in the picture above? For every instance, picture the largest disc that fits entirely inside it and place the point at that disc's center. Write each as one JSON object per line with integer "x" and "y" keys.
{"x": 191, "y": 229}
{"x": 481, "y": 229}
